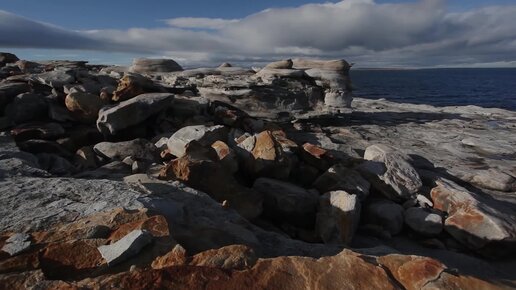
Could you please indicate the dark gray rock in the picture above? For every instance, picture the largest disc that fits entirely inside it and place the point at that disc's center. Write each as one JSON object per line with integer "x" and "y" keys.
{"x": 385, "y": 213}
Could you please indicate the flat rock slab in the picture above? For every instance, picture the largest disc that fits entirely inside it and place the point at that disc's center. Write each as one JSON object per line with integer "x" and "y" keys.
{"x": 126, "y": 247}
{"x": 480, "y": 223}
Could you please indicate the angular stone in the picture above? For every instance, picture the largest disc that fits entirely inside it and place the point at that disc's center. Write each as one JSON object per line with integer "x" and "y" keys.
{"x": 286, "y": 201}
{"x": 227, "y": 156}
{"x": 125, "y": 248}
{"x": 17, "y": 244}
{"x": 390, "y": 172}
{"x": 338, "y": 216}
{"x": 132, "y": 112}
{"x": 338, "y": 177}
{"x": 480, "y": 223}
{"x": 132, "y": 85}
{"x": 204, "y": 135}
{"x": 385, "y": 213}
{"x": 85, "y": 106}
{"x": 176, "y": 257}
{"x": 267, "y": 157}
{"x": 198, "y": 169}
{"x": 414, "y": 272}
{"x": 138, "y": 149}
{"x": 57, "y": 78}
{"x": 423, "y": 221}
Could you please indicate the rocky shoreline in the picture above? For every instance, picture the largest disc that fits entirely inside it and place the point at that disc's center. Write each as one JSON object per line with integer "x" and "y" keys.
{"x": 153, "y": 177}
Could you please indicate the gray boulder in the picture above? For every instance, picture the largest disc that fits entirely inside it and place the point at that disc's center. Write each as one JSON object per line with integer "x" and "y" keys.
{"x": 17, "y": 243}
{"x": 205, "y": 135}
{"x": 146, "y": 65}
{"x": 337, "y": 217}
{"x": 286, "y": 201}
{"x": 26, "y": 107}
{"x": 338, "y": 177}
{"x": 132, "y": 112}
{"x": 390, "y": 172}
{"x": 126, "y": 247}
{"x": 57, "y": 78}
{"x": 483, "y": 224}
{"x": 138, "y": 149}
{"x": 423, "y": 221}
{"x": 8, "y": 91}
{"x": 385, "y": 213}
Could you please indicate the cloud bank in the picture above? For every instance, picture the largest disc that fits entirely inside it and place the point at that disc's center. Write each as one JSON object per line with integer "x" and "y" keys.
{"x": 419, "y": 34}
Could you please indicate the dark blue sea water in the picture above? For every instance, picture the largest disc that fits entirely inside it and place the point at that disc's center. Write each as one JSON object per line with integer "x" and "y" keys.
{"x": 490, "y": 88}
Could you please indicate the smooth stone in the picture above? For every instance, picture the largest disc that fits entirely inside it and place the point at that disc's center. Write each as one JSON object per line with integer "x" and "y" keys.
{"x": 132, "y": 112}
{"x": 138, "y": 149}
{"x": 147, "y": 65}
{"x": 280, "y": 64}
{"x": 205, "y": 135}
{"x": 385, "y": 213}
{"x": 423, "y": 221}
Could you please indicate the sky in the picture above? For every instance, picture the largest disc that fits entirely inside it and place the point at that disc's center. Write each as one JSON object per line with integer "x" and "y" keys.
{"x": 381, "y": 33}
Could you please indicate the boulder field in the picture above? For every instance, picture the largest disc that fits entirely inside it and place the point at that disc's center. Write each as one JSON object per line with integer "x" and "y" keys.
{"x": 158, "y": 177}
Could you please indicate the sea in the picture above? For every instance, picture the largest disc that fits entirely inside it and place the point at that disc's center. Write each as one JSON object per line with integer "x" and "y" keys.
{"x": 484, "y": 87}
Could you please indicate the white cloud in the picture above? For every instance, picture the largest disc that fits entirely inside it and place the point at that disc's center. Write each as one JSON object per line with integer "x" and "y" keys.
{"x": 200, "y": 23}
{"x": 421, "y": 33}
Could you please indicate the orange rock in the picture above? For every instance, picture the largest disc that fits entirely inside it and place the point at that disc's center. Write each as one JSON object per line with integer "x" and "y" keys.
{"x": 157, "y": 226}
{"x": 64, "y": 260}
{"x": 234, "y": 257}
{"x": 175, "y": 257}
{"x": 20, "y": 263}
{"x": 132, "y": 85}
{"x": 414, "y": 273}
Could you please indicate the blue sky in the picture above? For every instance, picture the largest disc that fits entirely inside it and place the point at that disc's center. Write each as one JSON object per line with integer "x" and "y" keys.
{"x": 203, "y": 32}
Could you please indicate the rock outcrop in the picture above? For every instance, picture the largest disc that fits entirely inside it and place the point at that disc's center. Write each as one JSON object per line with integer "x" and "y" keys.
{"x": 232, "y": 178}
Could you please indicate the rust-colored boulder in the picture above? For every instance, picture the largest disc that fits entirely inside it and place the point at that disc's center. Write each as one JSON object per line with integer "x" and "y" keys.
{"x": 62, "y": 260}
{"x": 132, "y": 85}
{"x": 415, "y": 272}
{"x": 481, "y": 224}
{"x": 84, "y": 106}
{"x": 198, "y": 169}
